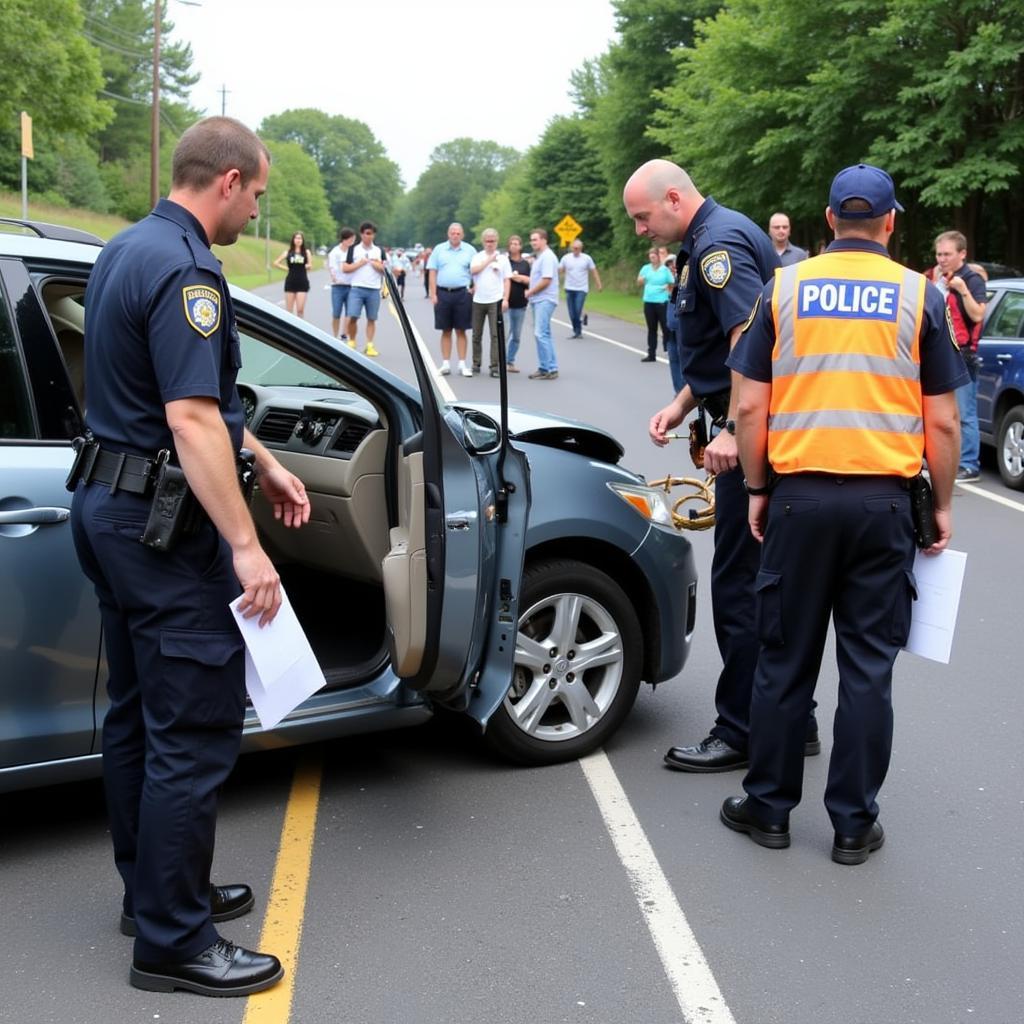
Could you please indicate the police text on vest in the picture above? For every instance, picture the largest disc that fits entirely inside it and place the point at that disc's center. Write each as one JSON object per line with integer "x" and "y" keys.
{"x": 860, "y": 300}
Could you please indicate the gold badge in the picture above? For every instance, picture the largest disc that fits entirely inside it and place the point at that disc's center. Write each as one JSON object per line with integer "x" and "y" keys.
{"x": 684, "y": 275}
{"x": 716, "y": 268}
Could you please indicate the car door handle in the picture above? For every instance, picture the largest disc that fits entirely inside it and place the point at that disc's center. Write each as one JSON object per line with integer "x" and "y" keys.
{"x": 35, "y": 515}
{"x": 1004, "y": 357}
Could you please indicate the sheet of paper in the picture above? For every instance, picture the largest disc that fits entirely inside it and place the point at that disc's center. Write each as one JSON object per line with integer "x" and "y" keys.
{"x": 939, "y": 581}
{"x": 281, "y": 670}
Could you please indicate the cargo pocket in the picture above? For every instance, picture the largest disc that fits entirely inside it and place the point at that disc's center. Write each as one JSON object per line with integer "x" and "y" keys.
{"x": 906, "y": 595}
{"x": 769, "y": 608}
{"x": 204, "y": 684}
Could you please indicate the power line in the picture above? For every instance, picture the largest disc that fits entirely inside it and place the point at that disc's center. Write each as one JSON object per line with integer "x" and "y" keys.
{"x": 131, "y": 37}
{"x": 142, "y": 54}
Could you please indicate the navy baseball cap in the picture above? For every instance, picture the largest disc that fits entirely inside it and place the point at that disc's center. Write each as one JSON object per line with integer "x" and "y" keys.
{"x": 863, "y": 181}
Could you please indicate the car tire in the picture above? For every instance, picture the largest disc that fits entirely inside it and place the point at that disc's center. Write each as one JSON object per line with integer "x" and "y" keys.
{"x": 571, "y": 615}
{"x": 1010, "y": 448}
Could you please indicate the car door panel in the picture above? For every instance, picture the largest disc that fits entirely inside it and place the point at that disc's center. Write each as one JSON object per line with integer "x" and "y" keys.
{"x": 469, "y": 535}
{"x": 49, "y": 623}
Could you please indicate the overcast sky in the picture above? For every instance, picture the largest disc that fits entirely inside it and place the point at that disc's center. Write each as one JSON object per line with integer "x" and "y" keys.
{"x": 418, "y": 72}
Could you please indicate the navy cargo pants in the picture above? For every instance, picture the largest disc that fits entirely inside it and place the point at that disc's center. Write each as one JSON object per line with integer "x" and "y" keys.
{"x": 177, "y": 700}
{"x": 839, "y": 546}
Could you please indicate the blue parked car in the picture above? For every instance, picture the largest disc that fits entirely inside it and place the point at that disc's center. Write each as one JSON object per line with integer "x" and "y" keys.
{"x": 493, "y": 561}
{"x": 1001, "y": 378}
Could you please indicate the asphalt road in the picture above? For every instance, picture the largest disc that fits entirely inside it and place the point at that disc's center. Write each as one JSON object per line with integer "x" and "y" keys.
{"x": 448, "y": 887}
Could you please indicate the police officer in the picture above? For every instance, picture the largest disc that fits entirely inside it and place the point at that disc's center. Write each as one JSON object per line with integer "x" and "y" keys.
{"x": 161, "y": 357}
{"x": 723, "y": 263}
{"x": 848, "y": 373}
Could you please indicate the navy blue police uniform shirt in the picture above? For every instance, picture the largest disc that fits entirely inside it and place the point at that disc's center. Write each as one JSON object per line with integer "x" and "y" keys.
{"x": 942, "y": 366}
{"x": 724, "y": 261}
{"x": 159, "y": 326}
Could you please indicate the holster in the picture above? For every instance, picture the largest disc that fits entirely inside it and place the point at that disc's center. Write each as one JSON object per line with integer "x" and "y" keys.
{"x": 174, "y": 512}
{"x": 717, "y": 406}
{"x": 923, "y": 511}
{"x": 86, "y": 450}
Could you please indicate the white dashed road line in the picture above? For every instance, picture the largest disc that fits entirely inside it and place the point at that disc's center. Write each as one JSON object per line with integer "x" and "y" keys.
{"x": 998, "y": 498}
{"x": 611, "y": 341}
{"x": 699, "y": 997}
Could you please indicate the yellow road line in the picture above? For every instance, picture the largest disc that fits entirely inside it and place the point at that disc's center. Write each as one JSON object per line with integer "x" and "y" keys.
{"x": 286, "y": 905}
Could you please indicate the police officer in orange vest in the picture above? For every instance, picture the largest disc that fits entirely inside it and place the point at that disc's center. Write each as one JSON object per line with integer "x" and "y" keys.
{"x": 848, "y": 368}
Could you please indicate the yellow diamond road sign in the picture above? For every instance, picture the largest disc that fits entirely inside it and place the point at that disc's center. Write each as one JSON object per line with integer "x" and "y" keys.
{"x": 567, "y": 229}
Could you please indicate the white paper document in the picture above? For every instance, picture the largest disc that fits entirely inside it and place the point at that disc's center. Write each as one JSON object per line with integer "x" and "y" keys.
{"x": 939, "y": 581}
{"x": 281, "y": 670}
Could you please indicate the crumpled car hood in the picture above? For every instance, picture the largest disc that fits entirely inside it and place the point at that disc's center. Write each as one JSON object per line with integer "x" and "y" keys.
{"x": 556, "y": 432}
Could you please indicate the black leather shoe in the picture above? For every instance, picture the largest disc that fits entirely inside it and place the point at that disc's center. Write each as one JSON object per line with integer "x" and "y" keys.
{"x": 222, "y": 969}
{"x": 855, "y": 849}
{"x": 648, "y": 359}
{"x": 710, "y": 755}
{"x": 226, "y": 903}
{"x": 735, "y": 814}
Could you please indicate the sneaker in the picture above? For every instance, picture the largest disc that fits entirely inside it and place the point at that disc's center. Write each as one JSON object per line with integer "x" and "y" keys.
{"x": 512, "y": 368}
{"x": 370, "y": 350}
{"x": 476, "y": 367}
{"x": 351, "y": 342}
{"x": 494, "y": 372}
{"x": 343, "y": 338}
{"x": 585, "y": 320}
{"x": 465, "y": 370}
{"x": 446, "y": 368}
{"x": 967, "y": 476}
{"x": 538, "y": 375}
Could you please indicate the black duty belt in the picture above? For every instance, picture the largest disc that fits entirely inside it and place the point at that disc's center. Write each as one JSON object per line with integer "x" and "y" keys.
{"x": 461, "y": 288}
{"x": 121, "y": 472}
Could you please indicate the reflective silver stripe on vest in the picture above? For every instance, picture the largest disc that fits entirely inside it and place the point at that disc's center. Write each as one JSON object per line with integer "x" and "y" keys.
{"x": 847, "y": 419}
{"x": 902, "y": 366}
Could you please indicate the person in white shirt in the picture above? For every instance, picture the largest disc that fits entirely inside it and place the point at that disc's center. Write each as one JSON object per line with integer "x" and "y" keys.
{"x": 340, "y": 282}
{"x": 365, "y": 262}
{"x": 491, "y": 282}
{"x": 577, "y": 267}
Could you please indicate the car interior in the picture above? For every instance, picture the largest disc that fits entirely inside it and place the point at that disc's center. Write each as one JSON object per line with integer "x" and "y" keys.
{"x": 349, "y": 571}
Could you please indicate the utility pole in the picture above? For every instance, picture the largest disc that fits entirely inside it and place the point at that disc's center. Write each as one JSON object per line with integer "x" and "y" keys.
{"x": 223, "y": 100}
{"x": 154, "y": 142}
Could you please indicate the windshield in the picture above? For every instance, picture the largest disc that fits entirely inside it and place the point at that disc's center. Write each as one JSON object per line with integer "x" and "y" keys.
{"x": 268, "y": 366}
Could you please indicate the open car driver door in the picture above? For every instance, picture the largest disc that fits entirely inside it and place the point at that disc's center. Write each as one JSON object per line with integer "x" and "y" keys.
{"x": 454, "y": 568}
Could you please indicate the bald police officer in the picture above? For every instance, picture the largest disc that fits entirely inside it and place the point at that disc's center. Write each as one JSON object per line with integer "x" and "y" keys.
{"x": 848, "y": 372}
{"x": 161, "y": 356}
{"x": 723, "y": 263}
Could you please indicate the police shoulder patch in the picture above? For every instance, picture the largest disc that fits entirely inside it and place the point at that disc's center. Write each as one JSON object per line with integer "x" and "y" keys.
{"x": 202, "y": 308}
{"x": 716, "y": 268}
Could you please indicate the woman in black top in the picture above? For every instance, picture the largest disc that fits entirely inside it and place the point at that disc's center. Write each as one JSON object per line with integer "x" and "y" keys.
{"x": 517, "y": 301}
{"x": 298, "y": 262}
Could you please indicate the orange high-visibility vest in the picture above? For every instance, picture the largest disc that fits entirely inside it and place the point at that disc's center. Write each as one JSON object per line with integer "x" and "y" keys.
{"x": 846, "y": 367}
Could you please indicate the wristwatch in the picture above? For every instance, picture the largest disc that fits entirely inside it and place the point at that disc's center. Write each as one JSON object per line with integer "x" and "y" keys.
{"x": 756, "y": 491}
{"x": 730, "y": 426}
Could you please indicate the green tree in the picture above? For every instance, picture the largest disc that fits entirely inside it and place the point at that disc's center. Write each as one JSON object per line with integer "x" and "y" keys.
{"x": 930, "y": 92}
{"x": 360, "y": 180}
{"x": 122, "y": 32}
{"x": 564, "y": 177}
{"x": 48, "y": 68}
{"x": 297, "y": 201}
{"x": 460, "y": 175}
{"x": 617, "y": 93}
